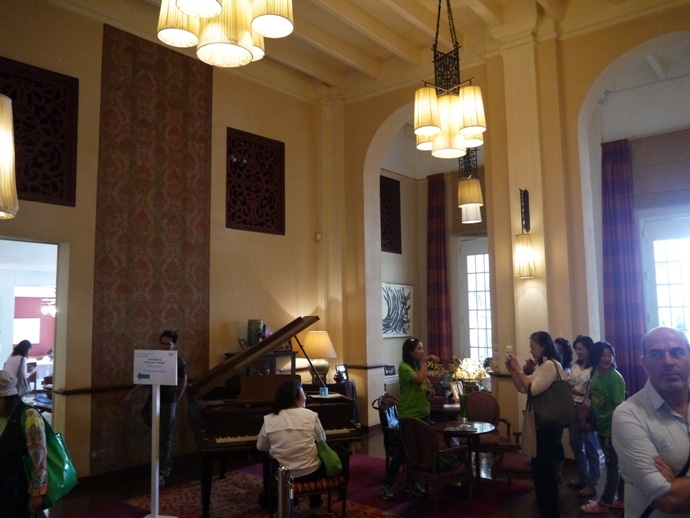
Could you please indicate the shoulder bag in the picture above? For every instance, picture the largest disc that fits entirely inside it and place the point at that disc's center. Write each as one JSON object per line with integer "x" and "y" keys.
{"x": 585, "y": 416}
{"x": 528, "y": 437}
{"x": 553, "y": 408}
{"x": 62, "y": 477}
{"x": 330, "y": 459}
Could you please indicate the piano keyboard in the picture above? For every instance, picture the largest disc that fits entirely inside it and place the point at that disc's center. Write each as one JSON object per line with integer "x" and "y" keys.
{"x": 253, "y": 438}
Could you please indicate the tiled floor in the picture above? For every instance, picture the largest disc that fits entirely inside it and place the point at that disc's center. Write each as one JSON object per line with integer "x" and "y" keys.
{"x": 99, "y": 492}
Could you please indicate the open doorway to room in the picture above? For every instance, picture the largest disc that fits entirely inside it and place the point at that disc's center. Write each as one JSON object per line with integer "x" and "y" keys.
{"x": 28, "y": 283}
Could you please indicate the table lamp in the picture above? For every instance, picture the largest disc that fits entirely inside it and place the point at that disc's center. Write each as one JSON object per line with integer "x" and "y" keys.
{"x": 318, "y": 345}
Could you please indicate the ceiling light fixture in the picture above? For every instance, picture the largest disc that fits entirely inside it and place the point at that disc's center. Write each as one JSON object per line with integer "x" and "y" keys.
{"x": 524, "y": 253}
{"x": 450, "y": 112}
{"x": 470, "y": 199}
{"x": 9, "y": 204}
{"x": 222, "y": 30}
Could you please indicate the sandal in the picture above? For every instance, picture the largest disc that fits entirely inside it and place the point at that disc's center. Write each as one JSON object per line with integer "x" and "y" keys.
{"x": 587, "y": 491}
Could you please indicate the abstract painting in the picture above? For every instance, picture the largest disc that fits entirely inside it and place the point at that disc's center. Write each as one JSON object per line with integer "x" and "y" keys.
{"x": 397, "y": 310}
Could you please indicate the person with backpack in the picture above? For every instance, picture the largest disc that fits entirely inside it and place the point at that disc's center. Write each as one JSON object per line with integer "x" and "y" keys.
{"x": 21, "y": 496}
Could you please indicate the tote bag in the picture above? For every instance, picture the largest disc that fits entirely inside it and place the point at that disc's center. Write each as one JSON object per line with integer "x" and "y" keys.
{"x": 330, "y": 459}
{"x": 553, "y": 408}
{"x": 62, "y": 477}
{"x": 23, "y": 386}
{"x": 529, "y": 432}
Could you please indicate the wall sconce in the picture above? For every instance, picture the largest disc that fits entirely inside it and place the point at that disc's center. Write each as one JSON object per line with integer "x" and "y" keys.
{"x": 470, "y": 197}
{"x": 524, "y": 254}
{"x": 9, "y": 204}
{"x": 318, "y": 345}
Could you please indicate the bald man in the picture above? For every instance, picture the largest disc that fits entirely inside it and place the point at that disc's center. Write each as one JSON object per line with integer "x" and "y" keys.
{"x": 651, "y": 432}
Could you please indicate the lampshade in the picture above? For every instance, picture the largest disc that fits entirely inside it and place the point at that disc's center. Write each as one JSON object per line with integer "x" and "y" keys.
{"x": 470, "y": 192}
{"x": 472, "y": 108}
{"x": 9, "y": 204}
{"x": 426, "y": 116}
{"x": 473, "y": 140}
{"x": 524, "y": 257}
{"x": 200, "y": 8}
{"x": 176, "y": 28}
{"x": 258, "y": 47}
{"x": 449, "y": 143}
{"x": 471, "y": 213}
{"x": 424, "y": 142}
{"x": 272, "y": 18}
{"x": 318, "y": 344}
{"x": 226, "y": 40}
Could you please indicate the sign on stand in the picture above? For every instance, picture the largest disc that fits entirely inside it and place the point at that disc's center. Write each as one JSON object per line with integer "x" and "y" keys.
{"x": 155, "y": 368}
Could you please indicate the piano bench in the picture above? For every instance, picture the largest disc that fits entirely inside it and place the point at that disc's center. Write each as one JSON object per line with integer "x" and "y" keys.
{"x": 326, "y": 485}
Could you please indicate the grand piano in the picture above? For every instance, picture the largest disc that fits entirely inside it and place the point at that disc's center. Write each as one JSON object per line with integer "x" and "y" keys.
{"x": 227, "y": 419}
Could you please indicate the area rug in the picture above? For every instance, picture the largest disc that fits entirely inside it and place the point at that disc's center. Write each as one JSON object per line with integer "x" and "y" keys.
{"x": 236, "y": 496}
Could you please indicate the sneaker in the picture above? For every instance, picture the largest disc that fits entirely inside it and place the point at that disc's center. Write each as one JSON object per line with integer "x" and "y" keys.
{"x": 595, "y": 507}
{"x": 618, "y": 504}
{"x": 387, "y": 492}
{"x": 416, "y": 489}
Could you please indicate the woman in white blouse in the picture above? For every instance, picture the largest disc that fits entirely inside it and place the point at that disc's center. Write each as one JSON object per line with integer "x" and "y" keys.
{"x": 17, "y": 366}
{"x": 547, "y": 370}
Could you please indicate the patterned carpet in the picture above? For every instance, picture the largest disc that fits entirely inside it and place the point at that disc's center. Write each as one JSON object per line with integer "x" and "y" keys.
{"x": 236, "y": 496}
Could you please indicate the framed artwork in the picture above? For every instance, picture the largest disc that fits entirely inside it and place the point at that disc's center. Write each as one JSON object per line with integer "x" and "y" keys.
{"x": 342, "y": 369}
{"x": 389, "y": 370}
{"x": 396, "y": 310}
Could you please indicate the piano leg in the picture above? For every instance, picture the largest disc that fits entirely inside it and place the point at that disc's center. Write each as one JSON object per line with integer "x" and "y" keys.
{"x": 206, "y": 480}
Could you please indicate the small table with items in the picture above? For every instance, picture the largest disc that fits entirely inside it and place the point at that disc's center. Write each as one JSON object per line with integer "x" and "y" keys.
{"x": 470, "y": 431}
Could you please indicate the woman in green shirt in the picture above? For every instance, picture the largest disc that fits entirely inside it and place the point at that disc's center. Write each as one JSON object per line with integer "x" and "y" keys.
{"x": 414, "y": 402}
{"x": 607, "y": 391}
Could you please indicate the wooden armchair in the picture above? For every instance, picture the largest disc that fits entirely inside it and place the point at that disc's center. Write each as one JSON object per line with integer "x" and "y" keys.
{"x": 387, "y": 407}
{"x": 483, "y": 406}
{"x": 327, "y": 485}
{"x": 427, "y": 464}
{"x": 510, "y": 463}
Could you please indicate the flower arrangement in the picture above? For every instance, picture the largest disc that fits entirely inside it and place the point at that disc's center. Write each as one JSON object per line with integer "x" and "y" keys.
{"x": 467, "y": 369}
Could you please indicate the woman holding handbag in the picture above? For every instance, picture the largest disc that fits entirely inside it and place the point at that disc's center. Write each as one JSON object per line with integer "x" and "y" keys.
{"x": 583, "y": 439}
{"x": 17, "y": 366}
{"x": 548, "y": 369}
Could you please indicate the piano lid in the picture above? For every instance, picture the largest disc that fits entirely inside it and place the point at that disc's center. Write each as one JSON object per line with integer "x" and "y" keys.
{"x": 219, "y": 374}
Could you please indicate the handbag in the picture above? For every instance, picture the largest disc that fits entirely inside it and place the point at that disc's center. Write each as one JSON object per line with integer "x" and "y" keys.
{"x": 23, "y": 386}
{"x": 585, "y": 416}
{"x": 553, "y": 408}
{"x": 330, "y": 459}
{"x": 62, "y": 477}
{"x": 529, "y": 432}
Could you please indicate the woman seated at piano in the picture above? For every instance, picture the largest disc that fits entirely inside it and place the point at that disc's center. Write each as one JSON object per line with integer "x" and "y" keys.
{"x": 289, "y": 435}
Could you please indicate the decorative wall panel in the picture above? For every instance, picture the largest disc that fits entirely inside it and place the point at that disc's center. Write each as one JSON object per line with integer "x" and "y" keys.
{"x": 255, "y": 197}
{"x": 152, "y": 228}
{"x": 44, "y": 109}
{"x": 391, "y": 233}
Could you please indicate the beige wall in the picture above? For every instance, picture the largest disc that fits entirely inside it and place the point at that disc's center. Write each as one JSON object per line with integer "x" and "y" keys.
{"x": 334, "y": 153}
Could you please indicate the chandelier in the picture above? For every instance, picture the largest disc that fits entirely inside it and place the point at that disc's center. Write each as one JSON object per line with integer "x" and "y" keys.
{"x": 448, "y": 115}
{"x": 9, "y": 204}
{"x": 470, "y": 199}
{"x": 226, "y": 33}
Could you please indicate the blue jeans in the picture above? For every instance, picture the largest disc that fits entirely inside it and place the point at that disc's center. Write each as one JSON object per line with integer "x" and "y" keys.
{"x": 585, "y": 447}
{"x": 614, "y": 482}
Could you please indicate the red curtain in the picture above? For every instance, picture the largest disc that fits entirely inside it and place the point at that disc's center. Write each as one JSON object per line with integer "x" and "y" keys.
{"x": 623, "y": 293}
{"x": 438, "y": 306}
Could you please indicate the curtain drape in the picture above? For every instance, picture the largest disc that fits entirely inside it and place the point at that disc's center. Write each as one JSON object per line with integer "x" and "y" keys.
{"x": 439, "y": 329}
{"x": 623, "y": 292}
